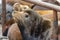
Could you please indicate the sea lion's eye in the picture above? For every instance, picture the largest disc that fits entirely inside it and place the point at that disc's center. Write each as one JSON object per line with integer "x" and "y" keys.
{"x": 26, "y": 16}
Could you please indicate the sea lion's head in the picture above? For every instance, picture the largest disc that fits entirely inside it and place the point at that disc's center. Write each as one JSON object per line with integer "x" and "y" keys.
{"x": 28, "y": 18}
{"x": 31, "y": 24}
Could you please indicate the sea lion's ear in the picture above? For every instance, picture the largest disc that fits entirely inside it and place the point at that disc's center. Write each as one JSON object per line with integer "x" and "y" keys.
{"x": 16, "y": 7}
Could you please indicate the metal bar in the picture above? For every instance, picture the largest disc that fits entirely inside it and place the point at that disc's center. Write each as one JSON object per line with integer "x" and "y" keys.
{"x": 44, "y": 4}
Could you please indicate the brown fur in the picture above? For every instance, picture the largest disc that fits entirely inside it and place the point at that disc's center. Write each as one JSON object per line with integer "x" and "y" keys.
{"x": 17, "y": 36}
{"x": 8, "y": 24}
{"x": 16, "y": 7}
{"x": 31, "y": 23}
{"x": 50, "y": 16}
{"x": 14, "y": 33}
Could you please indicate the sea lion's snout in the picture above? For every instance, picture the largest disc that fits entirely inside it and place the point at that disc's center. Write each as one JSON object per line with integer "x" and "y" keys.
{"x": 20, "y": 15}
{"x": 16, "y": 15}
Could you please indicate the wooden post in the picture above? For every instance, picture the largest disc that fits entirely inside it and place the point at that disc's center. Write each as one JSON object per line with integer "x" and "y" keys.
{"x": 3, "y": 13}
{"x": 55, "y": 16}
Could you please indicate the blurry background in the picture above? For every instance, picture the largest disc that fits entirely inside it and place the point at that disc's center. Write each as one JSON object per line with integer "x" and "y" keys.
{"x": 45, "y": 12}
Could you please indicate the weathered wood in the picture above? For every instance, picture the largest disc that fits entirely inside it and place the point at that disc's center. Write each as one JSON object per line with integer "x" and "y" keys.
{"x": 44, "y": 4}
{"x": 55, "y": 16}
{"x": 3, "y": 12}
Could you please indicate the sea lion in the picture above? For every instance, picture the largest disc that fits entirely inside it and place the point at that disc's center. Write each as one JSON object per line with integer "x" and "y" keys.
{"x": 16, "y": 7}
{"x": 31, "y": 25}
{"x": 14, "y": 33}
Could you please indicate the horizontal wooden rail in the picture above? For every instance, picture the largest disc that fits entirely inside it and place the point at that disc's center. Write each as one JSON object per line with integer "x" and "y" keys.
{"x": 44, "y": 4}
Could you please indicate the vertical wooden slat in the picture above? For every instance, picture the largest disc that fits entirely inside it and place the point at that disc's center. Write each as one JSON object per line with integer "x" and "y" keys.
{"x": 3, "y": 13}
{"x": 55, "y": 15}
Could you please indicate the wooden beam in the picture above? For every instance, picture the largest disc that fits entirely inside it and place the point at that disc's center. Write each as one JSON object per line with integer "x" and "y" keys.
{"x": 44, "y": 4}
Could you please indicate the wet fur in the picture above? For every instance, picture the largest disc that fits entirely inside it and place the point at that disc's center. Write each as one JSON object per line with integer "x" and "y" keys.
{"x": 6, "y": 26}
{"x": 14, "y": 32}
{"x": 36, "y": 28}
